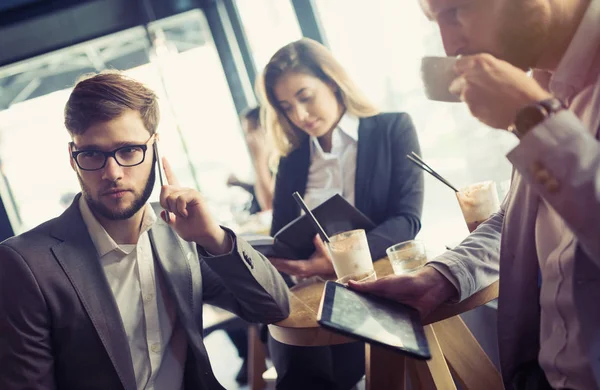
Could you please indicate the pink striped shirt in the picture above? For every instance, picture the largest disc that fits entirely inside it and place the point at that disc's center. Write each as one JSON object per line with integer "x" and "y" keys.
{"x": 563, "y": 353}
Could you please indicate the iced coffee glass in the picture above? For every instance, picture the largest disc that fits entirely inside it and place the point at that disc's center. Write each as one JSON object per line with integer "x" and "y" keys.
{"x": 407, "y": 256}
{"x": 351, "y": 256}
{"x": 478, "y": 202}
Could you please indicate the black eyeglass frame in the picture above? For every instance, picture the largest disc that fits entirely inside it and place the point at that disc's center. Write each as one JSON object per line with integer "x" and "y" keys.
{"x": 112, "y": 153}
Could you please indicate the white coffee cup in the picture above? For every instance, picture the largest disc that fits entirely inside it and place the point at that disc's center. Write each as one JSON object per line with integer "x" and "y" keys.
{"x": 437, "y": 74}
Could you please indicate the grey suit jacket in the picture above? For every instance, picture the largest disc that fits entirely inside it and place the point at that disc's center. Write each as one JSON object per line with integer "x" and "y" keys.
{"x": 60, "y": 327}
{"x": 504, "y": 246}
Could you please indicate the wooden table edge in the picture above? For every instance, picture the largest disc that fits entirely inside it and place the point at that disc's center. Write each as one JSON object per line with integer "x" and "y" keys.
{"x": 315, "y": 336}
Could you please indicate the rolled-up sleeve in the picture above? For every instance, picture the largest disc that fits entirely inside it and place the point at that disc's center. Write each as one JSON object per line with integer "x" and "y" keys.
{"x": 475, "y": 263}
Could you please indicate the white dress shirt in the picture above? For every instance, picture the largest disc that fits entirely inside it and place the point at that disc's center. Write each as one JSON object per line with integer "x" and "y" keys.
{"x": 562, "y": 352}
{"x": 335, "y": 172}
{"x": 157, "y": 341}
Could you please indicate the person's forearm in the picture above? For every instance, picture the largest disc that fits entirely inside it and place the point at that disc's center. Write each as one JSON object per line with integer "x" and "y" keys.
{"x": 245, "y": 283}
{"x": 475, "y": 262}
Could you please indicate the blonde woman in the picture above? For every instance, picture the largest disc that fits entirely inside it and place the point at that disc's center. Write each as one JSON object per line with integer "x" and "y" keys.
{"x": 331, "y": 139}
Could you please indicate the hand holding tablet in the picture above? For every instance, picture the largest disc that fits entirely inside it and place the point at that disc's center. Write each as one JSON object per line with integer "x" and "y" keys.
{"x": 374, "y": 320}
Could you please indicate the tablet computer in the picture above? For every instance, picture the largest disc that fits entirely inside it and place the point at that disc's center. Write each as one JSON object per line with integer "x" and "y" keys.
{"x": 374, "y": 320}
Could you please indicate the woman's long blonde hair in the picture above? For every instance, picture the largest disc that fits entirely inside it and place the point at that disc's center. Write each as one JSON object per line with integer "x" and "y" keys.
{"x": 308, "y": 57}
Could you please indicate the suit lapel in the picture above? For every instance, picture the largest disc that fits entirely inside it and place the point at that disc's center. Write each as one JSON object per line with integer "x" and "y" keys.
{"x": 175, "y": 262}
{"x": 180, "y": 268}
{"x": 300, "y": 177}
{"x": 362, "y": 185}
{"x": 77, "y": 256}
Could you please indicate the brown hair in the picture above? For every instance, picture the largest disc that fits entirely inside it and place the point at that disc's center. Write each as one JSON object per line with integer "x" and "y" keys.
{"x": 308, "y": 57}
{"x": 105, "y": 96}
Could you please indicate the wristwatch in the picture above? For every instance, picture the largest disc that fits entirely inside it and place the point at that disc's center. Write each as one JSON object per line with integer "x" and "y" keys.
{"x": 534, "y": 114}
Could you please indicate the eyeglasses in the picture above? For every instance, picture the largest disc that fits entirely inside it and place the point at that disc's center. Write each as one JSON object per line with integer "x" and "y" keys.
{"x": 125, "y": 156}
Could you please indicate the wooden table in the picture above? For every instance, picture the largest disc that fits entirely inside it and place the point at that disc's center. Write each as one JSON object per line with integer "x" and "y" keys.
{"x": 453, "y": 348}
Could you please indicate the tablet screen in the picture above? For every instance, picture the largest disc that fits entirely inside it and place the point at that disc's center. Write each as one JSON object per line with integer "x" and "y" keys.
{"x": 373, "y": 319}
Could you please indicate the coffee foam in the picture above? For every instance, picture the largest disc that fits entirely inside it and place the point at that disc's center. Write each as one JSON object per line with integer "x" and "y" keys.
{"x": 345, "y": 242}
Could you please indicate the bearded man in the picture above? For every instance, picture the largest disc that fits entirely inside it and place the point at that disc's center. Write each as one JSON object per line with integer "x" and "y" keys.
{"x": 107, "y": 295}
{"x": 544, "y": 243}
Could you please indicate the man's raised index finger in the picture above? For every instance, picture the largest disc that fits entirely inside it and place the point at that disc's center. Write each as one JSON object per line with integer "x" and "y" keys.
{"x": 169, "y": 174}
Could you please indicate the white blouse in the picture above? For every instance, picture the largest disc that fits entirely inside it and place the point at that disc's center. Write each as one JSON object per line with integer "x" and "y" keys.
{"x": 335, "y": 172}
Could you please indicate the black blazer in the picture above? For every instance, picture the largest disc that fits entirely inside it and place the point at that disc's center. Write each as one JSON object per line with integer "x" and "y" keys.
{"x": 388, "y": 189}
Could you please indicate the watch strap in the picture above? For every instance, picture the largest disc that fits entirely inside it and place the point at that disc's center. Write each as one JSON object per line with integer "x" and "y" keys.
{"x": 552, "y": 105}
{"x": 542, "y": 110}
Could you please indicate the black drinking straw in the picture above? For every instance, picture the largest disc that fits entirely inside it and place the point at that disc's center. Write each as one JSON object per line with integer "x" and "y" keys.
{"x": 316, "y": 223}
{"x": 415, "y": 159}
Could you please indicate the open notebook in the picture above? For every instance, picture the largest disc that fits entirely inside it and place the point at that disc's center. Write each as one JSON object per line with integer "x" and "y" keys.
{"x": 295, "y": 240}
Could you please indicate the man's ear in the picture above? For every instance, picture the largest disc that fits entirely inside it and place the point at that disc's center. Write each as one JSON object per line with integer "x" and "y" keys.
{"x": 71, "y": 160}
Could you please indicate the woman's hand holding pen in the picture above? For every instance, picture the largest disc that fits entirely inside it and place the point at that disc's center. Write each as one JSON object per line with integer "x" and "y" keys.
{"x": 189, "y": 215}
{"x": 318, "y": 264}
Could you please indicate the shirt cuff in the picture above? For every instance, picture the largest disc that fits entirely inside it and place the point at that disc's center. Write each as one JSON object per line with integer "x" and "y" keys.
{"x": 204, "y": 253}
{"x": 539, "y": 145}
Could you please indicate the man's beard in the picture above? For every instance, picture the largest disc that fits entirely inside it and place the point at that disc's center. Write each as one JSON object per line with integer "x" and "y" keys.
{"x": 524, "y": 33}
{"x": 139, "y": 201}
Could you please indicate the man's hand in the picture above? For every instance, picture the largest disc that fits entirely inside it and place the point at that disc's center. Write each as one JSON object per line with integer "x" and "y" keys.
{"x": 318, "y": 264}
{"x": 424, "y": 289}
{"x": 189, "y": 215}
{"x": 494, "y": 90}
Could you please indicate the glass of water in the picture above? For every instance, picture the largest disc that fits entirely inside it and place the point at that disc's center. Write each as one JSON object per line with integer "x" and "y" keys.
{"x": 407, "y": 256}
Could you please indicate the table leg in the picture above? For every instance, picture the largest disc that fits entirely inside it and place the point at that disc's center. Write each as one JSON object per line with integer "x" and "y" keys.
{"x": 420, "y": 377}
{"x": 384, "y": 369}
{"x": 256, "y": 359}
{"x": 436, "y": 374}
{"x": 470, "y": 364}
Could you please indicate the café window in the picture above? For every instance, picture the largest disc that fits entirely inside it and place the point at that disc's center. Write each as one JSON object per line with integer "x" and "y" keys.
{"x": 269, "y": 25}
{"x": 381, "y": 46}
{"x": 199, "y": 129}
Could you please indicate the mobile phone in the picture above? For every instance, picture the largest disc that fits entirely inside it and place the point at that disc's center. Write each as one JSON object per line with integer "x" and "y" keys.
{"x": 160, "y": 173}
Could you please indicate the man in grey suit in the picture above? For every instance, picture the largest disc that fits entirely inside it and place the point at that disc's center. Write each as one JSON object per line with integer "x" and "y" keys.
{"x": 107, "y": 295}
{"x": 545, "y": 240}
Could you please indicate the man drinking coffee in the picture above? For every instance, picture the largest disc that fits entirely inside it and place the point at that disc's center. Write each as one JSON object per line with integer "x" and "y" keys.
{"x": 546, "y": 236}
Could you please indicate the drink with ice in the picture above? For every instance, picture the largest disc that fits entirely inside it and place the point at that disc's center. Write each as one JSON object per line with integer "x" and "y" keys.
{"x": 478, "y": 202}
{"x": 350, "y": 255}
{"x": 407, "y": 256}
